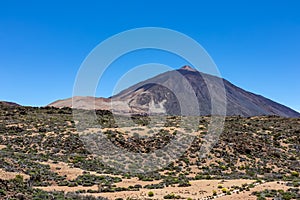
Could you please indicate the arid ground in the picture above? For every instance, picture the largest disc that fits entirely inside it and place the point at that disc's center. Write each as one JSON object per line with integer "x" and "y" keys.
{"x": 44, "y": 157}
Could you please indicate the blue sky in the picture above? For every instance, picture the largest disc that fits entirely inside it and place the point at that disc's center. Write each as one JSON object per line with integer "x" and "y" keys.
{"x": 255, "y": 44}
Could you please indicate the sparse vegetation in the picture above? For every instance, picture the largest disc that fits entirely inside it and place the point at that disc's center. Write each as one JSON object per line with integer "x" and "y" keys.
{"x": 250, "y": 148}
{"x": 278, "y": 194}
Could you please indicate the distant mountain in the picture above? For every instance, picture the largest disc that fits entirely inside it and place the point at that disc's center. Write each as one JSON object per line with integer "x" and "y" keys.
{"x": 154, "y": 96}
{"x": 7, "y": 103}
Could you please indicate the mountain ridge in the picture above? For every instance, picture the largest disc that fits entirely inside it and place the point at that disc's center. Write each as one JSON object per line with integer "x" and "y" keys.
{"x": 153, "y": 96}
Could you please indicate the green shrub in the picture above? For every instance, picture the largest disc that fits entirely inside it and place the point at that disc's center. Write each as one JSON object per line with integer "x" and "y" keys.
{"x": 288, "y": 196}
{"x": 150, "y": 194}
{"x": 223, "y": 167}
{"x": 2, "y": 192}
{"x": 172, "y": 196}
{"x": 224, "y": 190}
{"x": 294, "y": 173}
{"x": 19, "y": 178}
{"x": 214, "y": 193}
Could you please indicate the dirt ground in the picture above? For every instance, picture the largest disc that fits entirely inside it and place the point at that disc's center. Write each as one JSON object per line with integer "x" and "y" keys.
{"x": 198, "y": 189}
{"x": 11, "y": 175}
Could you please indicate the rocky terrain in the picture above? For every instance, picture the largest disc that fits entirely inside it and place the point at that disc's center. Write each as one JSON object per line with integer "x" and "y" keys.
{"x": 43, "y": 157}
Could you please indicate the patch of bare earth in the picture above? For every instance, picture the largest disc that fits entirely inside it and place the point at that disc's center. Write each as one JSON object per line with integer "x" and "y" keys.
{"x": 198, "y": 189}
{"x": 71, "y": 173}
{"x": 64, "y": 169}
{"x": 11, "y": 175}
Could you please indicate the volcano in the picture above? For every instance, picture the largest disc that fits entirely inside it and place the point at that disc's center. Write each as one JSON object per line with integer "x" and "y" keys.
{"x": 171, "y": 92}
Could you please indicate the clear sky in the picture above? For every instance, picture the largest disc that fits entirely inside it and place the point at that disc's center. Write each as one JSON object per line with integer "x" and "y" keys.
{"x": 255, "y": 44}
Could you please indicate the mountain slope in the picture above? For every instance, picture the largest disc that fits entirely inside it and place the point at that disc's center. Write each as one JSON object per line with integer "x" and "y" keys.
{"x": 164, "y": 94}
{"x": 7, "y": 103}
